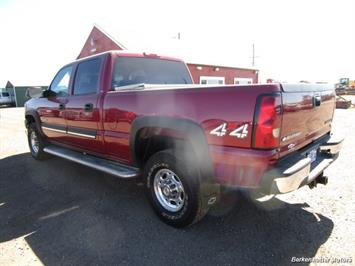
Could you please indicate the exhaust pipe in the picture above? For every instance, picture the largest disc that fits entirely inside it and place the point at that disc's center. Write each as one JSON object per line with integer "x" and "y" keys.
{"x": 312, "y": 184}
{"x": 321, "y": 179}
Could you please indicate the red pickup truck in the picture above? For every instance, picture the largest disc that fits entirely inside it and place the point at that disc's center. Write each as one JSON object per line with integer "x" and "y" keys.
{"x": 138, "y": 115}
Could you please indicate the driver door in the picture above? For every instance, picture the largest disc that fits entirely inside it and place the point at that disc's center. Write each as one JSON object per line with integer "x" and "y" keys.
{"x": 52, "y": 109}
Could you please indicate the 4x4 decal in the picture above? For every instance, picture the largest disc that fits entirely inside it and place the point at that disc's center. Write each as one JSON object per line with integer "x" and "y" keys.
{"x": 240, "y": 132}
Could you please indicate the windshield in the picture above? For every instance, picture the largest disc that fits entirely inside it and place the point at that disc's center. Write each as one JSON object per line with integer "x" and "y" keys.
{"x": 5, "y": 94}
{"x": 137, "y": 70}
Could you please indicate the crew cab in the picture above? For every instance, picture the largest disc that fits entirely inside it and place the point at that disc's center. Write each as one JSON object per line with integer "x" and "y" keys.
{"x": 138, "y": 115}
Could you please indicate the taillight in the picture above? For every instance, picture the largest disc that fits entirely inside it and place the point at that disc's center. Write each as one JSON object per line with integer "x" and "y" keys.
{"x": 267, "y": 122}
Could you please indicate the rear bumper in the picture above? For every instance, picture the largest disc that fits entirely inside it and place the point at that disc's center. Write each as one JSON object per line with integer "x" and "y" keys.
{"x": 297, "y": 170}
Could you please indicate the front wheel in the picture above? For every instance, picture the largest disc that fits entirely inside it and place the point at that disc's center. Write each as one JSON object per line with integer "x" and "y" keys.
{"x": 173, "y": 188}
{"x": 36, "y": 143}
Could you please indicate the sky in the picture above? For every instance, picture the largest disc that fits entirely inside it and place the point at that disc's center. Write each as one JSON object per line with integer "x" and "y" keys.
{"x": 294, "y": 40}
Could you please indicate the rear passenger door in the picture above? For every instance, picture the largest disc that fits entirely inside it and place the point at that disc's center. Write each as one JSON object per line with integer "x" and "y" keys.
{"x": 82, "y": 107}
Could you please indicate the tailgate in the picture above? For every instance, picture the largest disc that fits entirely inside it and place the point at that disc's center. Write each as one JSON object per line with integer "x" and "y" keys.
{"x": 307, "y": 114}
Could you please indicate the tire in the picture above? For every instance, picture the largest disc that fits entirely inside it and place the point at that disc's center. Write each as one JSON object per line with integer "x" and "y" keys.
{"x": 36, "y": 143}
{"x": 173, "y": 189}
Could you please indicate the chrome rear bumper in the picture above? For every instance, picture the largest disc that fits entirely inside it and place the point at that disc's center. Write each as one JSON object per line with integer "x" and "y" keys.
{"x": 290, "y": 175}
{"x": 332, "y": 146}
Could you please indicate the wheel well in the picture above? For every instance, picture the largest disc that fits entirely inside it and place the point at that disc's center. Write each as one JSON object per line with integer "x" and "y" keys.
{"x": 29, "y": 120}
{"x": 151, "y": 140}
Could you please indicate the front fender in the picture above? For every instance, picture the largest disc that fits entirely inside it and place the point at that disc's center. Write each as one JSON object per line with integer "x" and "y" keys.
{"x": 32, "y": 113}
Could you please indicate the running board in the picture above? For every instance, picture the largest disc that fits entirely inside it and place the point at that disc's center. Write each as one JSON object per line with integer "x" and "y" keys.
{"x": 107, "y": 166}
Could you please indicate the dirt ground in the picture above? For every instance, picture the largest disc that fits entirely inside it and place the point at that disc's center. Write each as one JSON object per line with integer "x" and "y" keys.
{"x": 58, "y": 213}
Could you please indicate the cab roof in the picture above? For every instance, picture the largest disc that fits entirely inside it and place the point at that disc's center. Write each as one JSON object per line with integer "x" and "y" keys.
{"x": 126, "y": 53}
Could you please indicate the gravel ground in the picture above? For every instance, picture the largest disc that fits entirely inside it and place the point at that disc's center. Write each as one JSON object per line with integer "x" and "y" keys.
{"x": 57, "y": 212}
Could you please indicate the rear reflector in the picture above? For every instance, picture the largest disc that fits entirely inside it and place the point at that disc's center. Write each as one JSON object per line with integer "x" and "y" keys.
{"x": 267, "y": 122}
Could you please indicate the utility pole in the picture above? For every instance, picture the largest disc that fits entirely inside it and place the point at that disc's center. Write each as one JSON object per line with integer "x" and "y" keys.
{"x": 253, "y": 62}
{"x": 253, "y": 56}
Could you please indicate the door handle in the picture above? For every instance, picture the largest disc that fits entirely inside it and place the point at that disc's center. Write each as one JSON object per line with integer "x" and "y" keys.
{"x": 61, "y": 106}
{"x": 317, "y": 100}
{"x": 88, "y": 107}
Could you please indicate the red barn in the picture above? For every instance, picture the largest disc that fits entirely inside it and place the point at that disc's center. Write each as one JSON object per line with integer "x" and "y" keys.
{"x": 99, "y": 41}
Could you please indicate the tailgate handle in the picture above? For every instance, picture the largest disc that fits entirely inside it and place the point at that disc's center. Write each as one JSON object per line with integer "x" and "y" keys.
{"x": 317, "y": 100}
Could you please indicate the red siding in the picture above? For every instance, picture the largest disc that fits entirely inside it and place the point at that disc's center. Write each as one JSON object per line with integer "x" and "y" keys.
{"x": 102, "y": 43}
{"x": 229, "y": 73}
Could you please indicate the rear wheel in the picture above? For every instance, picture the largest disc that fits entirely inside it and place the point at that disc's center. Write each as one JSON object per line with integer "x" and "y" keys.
{"x": 36, "y": 143}
{"x": 173, "y": 188}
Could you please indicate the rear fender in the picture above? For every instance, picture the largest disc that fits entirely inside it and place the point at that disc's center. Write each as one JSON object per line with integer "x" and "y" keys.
{"x": 192, "y": 132}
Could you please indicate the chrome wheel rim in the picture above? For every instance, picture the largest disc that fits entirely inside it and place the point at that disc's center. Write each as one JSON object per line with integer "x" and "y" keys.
{"x": 169, "y": 190}
{"x": 34, "y": 142}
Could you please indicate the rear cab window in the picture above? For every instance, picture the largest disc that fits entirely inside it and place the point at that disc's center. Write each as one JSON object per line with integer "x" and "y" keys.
{"x": 87, "y": 77}
{"x": 137, "y": 70}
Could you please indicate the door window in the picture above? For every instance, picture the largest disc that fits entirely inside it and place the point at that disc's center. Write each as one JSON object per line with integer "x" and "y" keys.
{"x": 87, "y": 77}
{"x": 60, "y": 84}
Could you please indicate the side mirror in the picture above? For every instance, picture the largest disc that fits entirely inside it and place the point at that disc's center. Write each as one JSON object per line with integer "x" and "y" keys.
{"x": 46, "y": 94}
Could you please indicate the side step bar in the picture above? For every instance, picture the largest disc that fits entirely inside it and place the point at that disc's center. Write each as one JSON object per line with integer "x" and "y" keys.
{"x": 107, "y": 166}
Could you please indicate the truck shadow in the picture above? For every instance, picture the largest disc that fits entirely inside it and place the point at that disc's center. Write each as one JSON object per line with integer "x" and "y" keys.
{"x": 78, "y": 216}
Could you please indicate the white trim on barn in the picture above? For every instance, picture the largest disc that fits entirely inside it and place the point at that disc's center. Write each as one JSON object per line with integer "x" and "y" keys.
{"x": 243, "y": 80}
{"x": 212, "y": 80}
{"x": 110, "y": 37}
